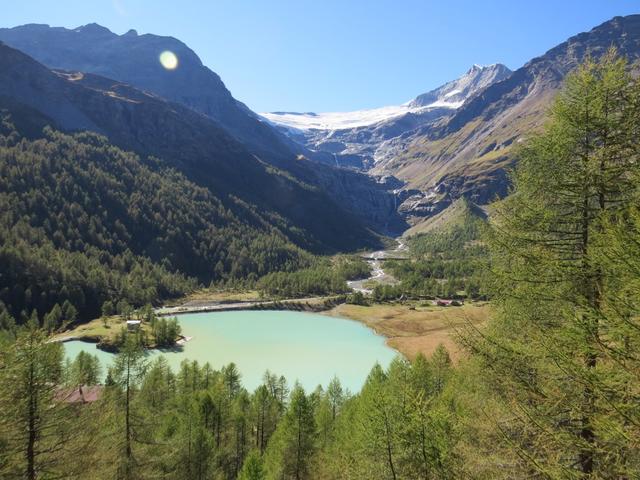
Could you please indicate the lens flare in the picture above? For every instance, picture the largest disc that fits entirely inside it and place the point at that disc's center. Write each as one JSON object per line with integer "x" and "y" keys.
{"x": 169, "y": 60}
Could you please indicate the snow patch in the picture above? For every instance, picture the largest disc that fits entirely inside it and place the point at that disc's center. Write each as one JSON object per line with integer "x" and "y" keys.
{"x": 475, "y": 79}
{"x": 347, "y": 120}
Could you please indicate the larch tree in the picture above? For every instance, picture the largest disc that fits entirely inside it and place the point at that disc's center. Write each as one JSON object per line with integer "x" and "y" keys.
{"x": 127, "y": 373}
{"x": 292, "y": 445}
{"x": 550, "y": 350}
{"x": 36, "y": 422}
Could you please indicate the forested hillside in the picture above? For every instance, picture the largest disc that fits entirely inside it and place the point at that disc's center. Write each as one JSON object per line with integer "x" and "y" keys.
{"x": 448, "y": 258}
{"x": 87, "y": 222}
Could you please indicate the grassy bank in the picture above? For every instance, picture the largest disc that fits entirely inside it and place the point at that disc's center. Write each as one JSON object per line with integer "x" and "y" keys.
{"x": 103, "y": 331}
{"x": 412, "y": 329}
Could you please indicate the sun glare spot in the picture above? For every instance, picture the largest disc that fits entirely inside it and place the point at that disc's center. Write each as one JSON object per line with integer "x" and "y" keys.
{"x": 169, "y": 60}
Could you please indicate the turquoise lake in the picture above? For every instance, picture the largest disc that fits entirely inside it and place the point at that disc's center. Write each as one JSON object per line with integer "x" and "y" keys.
{"x": 307, "y": 347}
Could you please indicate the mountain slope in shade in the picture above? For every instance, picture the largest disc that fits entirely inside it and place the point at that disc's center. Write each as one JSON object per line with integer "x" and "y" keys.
{"x": 134, "y": 59}
{"x": 353, "y": 138}
{"x": 467, "y": 155}
{"x": 185, "y": 140}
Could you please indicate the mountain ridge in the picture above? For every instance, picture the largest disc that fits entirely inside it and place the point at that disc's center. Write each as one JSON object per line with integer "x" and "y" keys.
{"x": 179, "y": 138}
{"x": 133, "y": 59}
{"x": 449, "y": 95}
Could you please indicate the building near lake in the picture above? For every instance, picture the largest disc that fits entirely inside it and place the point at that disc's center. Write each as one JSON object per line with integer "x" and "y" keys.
{"x": 133, "y": 325}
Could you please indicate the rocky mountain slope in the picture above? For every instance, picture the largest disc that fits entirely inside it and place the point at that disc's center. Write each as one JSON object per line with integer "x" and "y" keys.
{"x": 459, "y": 213}
{"x": 133, "y": 60}
{"x": 180, "y": 138}
{"x": 457, "y": 140}
{"x": 354, "y": 138}
{"x": 467, "y": 154}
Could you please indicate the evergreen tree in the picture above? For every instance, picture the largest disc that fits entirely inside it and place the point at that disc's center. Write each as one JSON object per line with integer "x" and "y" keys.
{"x": 252, "y": 468}
{"x": 126, "y": 374}
{"x": 53, "y": 320}
{"x": 84, "y": 370}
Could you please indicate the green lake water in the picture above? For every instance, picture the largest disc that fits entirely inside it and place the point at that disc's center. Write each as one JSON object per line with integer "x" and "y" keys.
{"x": 307, "y": 347}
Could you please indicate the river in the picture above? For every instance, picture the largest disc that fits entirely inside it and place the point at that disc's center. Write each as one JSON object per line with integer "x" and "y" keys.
{"x": 378, "y": 275}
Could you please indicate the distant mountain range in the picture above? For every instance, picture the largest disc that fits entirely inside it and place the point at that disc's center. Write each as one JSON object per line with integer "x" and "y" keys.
{"x": 457, "y": 140}
{"x": 354, "y": 138}
{"x": 449, "y": 96}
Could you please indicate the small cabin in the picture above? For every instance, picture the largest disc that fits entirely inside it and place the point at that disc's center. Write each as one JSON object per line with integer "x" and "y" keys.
{"x": 133, "y": 325}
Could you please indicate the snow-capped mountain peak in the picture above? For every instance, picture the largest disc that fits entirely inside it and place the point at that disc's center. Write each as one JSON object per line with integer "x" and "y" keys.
{"x": 451, "y": 95}
{"x": 458, "y": 91}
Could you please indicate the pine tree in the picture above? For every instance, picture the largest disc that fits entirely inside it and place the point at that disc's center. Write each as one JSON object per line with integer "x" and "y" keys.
{"x": 253, "y": 468}
{"x": 126, "y": 374}
{"x": 53, "y": 320}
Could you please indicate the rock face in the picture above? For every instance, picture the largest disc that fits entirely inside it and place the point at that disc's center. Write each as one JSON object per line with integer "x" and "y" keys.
{"x": 459, "y": 91}
{"x": 359, "y": 139}
{"x": 467, "y": 154}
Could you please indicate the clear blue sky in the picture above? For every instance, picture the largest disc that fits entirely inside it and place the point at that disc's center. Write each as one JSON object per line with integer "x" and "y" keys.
{"x": 332, "y": 55}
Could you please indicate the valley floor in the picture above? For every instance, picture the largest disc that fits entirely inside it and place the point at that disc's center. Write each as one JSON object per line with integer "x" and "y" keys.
{"x": 412, "y": 329}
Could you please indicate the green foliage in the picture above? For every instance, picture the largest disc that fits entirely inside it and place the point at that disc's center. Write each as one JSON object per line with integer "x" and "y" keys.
{"x": 357, "y": 298}
{"x": 447, "y": 262}
{"x": 351, "y": 267}
{"x": 86, "y": 222}
{"x": 34, "y": 426}
{"x": 394, "y": 428}
{"x": 324, "y": 278}
{"x": 165, "y": 331}
{"x": 292, "y": 445}
{"x": 561, "y": 351}
{"x": 252, "y": 468}
{"x": 108, "y": 308}
{"x": 84, "y": 370}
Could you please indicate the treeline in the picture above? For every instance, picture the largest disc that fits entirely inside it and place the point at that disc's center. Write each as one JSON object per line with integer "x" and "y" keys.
{"x": 325, "y": 277}
{"x": 154, "y": 331}
{"x": 85, "y": 222}
{"x": 449, "y": 262}
{"x": 199, "y": 423}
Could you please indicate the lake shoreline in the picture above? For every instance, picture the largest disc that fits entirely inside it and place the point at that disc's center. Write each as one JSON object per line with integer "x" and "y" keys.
{"x": 267, "y": 340}
{"x": 310, "y": 304}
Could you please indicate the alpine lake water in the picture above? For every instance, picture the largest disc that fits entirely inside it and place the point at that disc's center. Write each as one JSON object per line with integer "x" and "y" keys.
{"x": 306, "y": 347}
